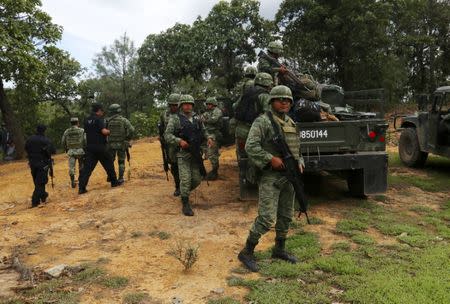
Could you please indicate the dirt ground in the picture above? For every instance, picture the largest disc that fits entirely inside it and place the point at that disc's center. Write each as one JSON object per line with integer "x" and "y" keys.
{"x": 116, "y": 224}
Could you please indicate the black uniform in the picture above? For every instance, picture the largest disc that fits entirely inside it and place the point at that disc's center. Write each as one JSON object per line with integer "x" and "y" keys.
{"x": 39, "y": 150}
{"x": 96, "y": 151}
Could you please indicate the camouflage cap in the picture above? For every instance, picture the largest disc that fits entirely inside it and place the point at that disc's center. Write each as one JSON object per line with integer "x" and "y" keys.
{"x": 281, "y": 92}
{"x": 264, "y": 79}
{"x": 211, "y": 100}
{"x": 173, "y": 99}
{"x": 187, "y": 99}
{"x": 115, "y": 108}
{"x": 74, "y": 119}
{"x": 275, "y": 47}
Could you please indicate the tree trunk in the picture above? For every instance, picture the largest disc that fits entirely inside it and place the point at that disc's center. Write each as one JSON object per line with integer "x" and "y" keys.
{"x": 11, "y": 123}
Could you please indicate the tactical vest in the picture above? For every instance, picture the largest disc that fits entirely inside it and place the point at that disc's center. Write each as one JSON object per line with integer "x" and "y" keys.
{"x": 116, "y": 125}
{"x": 74, "y": 138}
{"x": 192, "y": 132}
{"x": 289, "y": 131}
{"x": 248, "y": 108}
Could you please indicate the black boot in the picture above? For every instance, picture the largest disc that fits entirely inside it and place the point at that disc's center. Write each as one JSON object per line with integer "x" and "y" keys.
{"x": 82, "y": 190}
{"x": 187, "y": 210}
{"x": 213, "y": 174}
{"x": 44, "y": 197}
{"x": 117, "y": 183}
{"x": 176, "y": 192}
{"x": 72, "y": 181}
{"x": 247, "y": 257}
{"x": 279, "y": 251}
{"x": 121, "y": 176}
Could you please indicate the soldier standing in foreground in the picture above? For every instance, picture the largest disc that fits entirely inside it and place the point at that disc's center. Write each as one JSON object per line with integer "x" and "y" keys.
{"x": 39, "y": 150}
{"x": 171, "y": 150}
{"x": 74, "y": 141}
{"x": 121, "y": 132}
{"x": 276, "y": 193}
{"x": 96, "y": 150}
{"x": 186, "y": 131}
{"x": 212, "y": 120}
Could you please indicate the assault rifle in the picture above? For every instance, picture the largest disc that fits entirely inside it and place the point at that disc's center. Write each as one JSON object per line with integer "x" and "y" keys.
{"x": 161, "y": 129}
{"x": 292, "y": 170}
{"x": 289, "y": 74}
{"x": 128, "y": 160}
{"x": 50, "y": 165}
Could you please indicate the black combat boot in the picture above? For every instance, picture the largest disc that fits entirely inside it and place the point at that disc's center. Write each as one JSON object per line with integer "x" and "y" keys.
{"x": 117, "y": 183}
{"x": 82, "y": 190}
{"x": 121, "y": 176}
{"x": 279, "y": 252}
{"x": 247, "y": 257}
{"x": 72, "y": 181}
{"x": 44, "y": 197}
{"x": 187, "y": 210}
{"x": 213, "y": 174}
{"x": 176, "y": 192}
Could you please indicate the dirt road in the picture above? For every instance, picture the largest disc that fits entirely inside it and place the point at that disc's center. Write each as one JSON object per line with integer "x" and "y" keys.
{"x": 119, "y": 225}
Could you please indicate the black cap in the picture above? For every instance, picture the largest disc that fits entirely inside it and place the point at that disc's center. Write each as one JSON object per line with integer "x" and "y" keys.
{"x": 40, "y": 129}
{"x": 96, "y": 107}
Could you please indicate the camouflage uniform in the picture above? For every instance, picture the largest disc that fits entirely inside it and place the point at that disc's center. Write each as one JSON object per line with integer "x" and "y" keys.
{"x": 73, "y": 141}
{"x": 118, "y": 140}
{"x": 276, "y": 193}
{"x": 172, "y": 149}
{"x": 264, "y": 65}
{"x": 212, "y": 120}
{"x": 189, "y": 169}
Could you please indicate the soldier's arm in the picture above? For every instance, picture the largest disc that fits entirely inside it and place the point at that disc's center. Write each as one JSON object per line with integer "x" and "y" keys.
{"x": 169, "y": 134}
{"x": 63, "y": 141}
{"x": 253, "y": 146}
{"x": 215, "y": 116}
{"x": 130, "y": 129}
{"x": 263, "y": 100}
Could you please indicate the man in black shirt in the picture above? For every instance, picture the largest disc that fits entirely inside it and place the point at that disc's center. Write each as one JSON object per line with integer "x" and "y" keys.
{"x": 96, "y": 151}
{"x": 39, "y": 150}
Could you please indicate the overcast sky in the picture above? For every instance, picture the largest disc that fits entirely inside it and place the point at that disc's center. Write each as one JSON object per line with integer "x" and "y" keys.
{"x": 90, "y": 24}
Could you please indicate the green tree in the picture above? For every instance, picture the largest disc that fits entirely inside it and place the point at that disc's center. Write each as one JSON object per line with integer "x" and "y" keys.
{"x": 24, "y": 29}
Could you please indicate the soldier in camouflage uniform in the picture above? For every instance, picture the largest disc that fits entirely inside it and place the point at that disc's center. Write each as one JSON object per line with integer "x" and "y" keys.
{"x": 173, "y": 107}
{"x": 74, "y": 141}
{"x": 274, "y": 50}
{"x": 118, "y": 140}
{"x": 212, "y": 119}
{"x": 184, "y": 130}
{"x": 246, "y": 82}
{"x": 276, "y": 194}
{"x": 258, "y": 97}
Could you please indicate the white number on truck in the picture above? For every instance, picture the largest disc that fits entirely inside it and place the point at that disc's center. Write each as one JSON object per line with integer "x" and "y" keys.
{"x": 313, "y": 134}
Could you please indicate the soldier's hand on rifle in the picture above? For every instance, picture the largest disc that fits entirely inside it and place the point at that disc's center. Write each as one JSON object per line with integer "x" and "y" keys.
{"x": 283, "y": 69}
{"x": 211, "y": 143}
{"x": 277, "y": 163}
{"x": 184, "y": 144}
{"x": 301, "y": 167}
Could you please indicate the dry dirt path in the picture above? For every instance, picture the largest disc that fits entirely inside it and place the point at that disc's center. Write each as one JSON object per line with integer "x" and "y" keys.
{"x": 114, "y": 224}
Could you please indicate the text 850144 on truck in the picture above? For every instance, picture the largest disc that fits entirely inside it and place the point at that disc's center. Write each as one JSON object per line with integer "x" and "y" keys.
{"x": 353, "y": 145}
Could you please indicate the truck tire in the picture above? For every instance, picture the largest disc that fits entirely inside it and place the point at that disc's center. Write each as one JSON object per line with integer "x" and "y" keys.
{"x": 409, "y": 149}
{"x": 355, "y": 183}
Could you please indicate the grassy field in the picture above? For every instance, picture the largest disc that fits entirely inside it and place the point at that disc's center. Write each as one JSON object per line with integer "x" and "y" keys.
{"x": 391, "y": 254}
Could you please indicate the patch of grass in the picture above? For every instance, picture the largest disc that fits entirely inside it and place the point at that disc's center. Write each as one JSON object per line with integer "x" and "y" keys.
{"x": 421, "y": 209}
{"x": 342, "y": 246}
{"x": 338, "y": 263}
{"x": 53, "y": 291}
{"x": 304, "y": 245}
{"x": 90, "y": 275}
{"x": 316, "y": 221}
{"x": 237, "y": 281}
{"x": 380, "y": 198}
{"x": 418, "y": 240}
{"x": 136, "y": 298}
{"x": 363, "y": 239}
{"x": 350, "y": 227}
{"x": 240, "y": 270}
{"x": 226, "y": 300}
{"x": 162, "y": 235}
{"x": 281, "y": 269}
{"x": 395, "y": 229}
{"x": 114, "y": 282}
{"x": 11, "y": 301}
{"x": 434, "y": 182}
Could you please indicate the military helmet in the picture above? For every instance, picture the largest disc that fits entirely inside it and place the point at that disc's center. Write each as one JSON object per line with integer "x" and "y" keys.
{"x": 281, "y": 92}
{"x": 173, "y": 99}
{"x": 211, "y": 100}
{"x": 187, "y": 99}
{"x": 115, "y": 108}
{"x": 250, "y": 71}
{"x": 264, "y": 79}
{"x": 275, "y": 47}
{"x": 74, "y": 119}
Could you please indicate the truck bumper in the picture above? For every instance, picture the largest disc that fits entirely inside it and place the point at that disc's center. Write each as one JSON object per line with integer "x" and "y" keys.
{"x": 372, "y": 166}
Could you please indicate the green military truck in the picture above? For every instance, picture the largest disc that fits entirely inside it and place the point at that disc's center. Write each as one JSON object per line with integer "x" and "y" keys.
{"x": 353, "y": 147}
{"x": 426, "y": 131}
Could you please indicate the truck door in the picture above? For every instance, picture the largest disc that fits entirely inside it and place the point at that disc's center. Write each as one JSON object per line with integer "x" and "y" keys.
{"x": 433, "y": 121}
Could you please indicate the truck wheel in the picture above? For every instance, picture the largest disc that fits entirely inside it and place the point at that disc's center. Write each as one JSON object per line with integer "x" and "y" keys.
{"x": 355, "y": 183}
{"x": 409, "y": 149}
